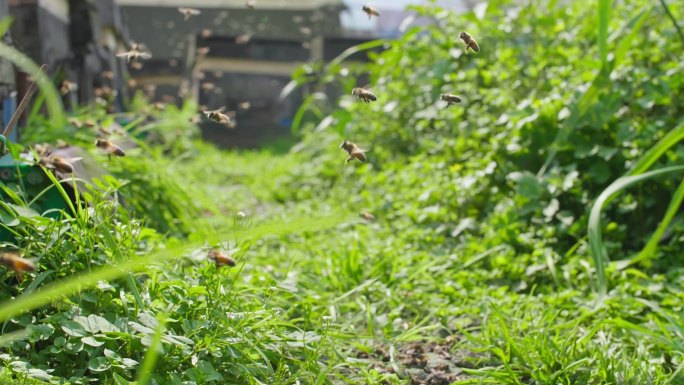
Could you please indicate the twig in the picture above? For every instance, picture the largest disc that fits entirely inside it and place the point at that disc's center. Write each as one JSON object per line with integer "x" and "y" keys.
{"x": 674, "y": 21}
{"x": 22, "y": 105}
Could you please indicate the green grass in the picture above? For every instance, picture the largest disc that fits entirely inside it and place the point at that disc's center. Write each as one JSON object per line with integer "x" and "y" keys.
{"x": 487, "y": 261}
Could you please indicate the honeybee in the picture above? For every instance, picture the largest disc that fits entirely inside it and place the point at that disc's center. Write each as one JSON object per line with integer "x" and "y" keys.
{"x": 109, "y": 147}
{"x": 244, "y": 106}
{"x": 227, "y": 119}
{"x": 207, "y": 86}
{"x": 469, "y": 42}
{"x": 75, "y": 122}
{"x": 202, "y": 51}
{"x": 135, "y": 53}
{"x": 206, "y": 32}
{"x": 66, "y": 87}
{"x": 243, "y": 39}
{"x": 370, "y": 11}
{"x": 220, "y": 258}
{"x": 364, "y": 94}
{"x": 450, "y": 99}
{"x": 353, "y": 150}
{"x": 136, "y": 65}
{"x": 107, "y": 74}
{"x": 59, "y": 163}
{"x": 367, "y": 216}
{"x": 250, "y": 4}
{"x": 305, "y": 30}
{"x": 13, "y": 260}
{"x": 189, "y": 12}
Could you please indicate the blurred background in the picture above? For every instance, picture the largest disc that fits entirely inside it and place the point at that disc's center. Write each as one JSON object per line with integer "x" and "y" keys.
{"x": 234, "y": 53}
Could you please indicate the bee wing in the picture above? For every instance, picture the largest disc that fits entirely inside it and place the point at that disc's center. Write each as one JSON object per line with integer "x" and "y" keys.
{"x": 74, "y": 160}
{"x": 123, "y": 54}
{"x": 144, "y": 55}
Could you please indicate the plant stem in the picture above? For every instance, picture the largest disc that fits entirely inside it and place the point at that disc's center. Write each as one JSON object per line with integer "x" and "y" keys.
{"x": 674, "y": 21}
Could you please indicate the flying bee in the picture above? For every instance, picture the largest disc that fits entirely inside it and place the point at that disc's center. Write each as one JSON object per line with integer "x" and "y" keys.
{"x": 450, "y": 99}
{"x": 353, "y": 150}
{"x": 227, "y": 119}
{"x": 61, "y": 144}
{"x": 135, "y": 53}
{"x": 13, "y": 260}
{"x": 66, "y": 87}
{"x": 243, "y": 39}
{"x": 370, "y": 11}
{"x": 367, "y": 216}
{"x": 206, "y": 32}
{"x": 220, "y": 258}
{"x": 364, "y": 94}
{"x": 202, "y": 51}
{"x": 250, "y": 4}
{"x": 189, "y": 12}
{"x": 244, "y": 106}
{"x": 107, "y": 74}
{"x": 109, "y": 147}
{"x": 469, "y": 42}
{"x": 59, "y": 163}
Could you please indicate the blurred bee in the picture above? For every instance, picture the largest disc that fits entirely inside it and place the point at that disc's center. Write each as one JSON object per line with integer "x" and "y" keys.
{"x": 189, "y": 12}
{"x": 206, "y": 32}
{"x": 109, "y": 147}
{"x": 202, "y": 51}
{"x": 469, "y": 42}
{"x": 250, "y": 4}
{"x": 135, "y": 53}
{"x": 364, "y": 94}
{"x": 75, "y": 122}
{"x": 136, "y": 65}
{"x": 353, "y": 150}
{"x": 227, "y": 119}
{"x": 244, "y": 106}
{"x": 243, "y": 39}
{"x": 89, "y": 123}
{"x": 159, "y": 106}
{"x": 450, "y": 99}
{"x": 367, "y": 216}
{"x": 58, "y": 163}
{"x": 61, "y": 144}
{"x": 221, "y": 259}
{"x": 305, "y": 31}
{"x": 370, "y": 11}
{"x": 207, "y": 86}
{"x": 13, "y": 260}
{"x": 66, "y": 87}
{"x": 107, "y": 75}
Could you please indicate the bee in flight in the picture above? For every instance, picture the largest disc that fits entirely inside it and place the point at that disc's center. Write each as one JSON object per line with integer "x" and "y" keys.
{"x": 135, "y": 53}
{"x": 370, "y": 11}
{"x": 227, "y": 119}
{"x": 220, "y": 258}
{"x": 250, "y": 4}
{"x": 66, "y": 87}
{"x": 353, "y": 151}
{"x": 109, "y": 147}
{"x": 367, "y": 216}
{"x": 243, "y": 39}
{"x": 13, "y": 260}
{"x": 189, "y": 12}
{"x": 202, "y": 51}
{"x": 364, "y": 94}
{"x": 58, "y": 163}
{"x": 469, "y": 42}
{"x": 450, "y": 99}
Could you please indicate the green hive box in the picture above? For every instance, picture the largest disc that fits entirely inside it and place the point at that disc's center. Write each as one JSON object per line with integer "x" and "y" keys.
{"x": 19, "y": 175}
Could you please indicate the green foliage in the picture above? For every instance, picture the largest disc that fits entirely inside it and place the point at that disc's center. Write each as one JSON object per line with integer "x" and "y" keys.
{"x": 479, "y": 250}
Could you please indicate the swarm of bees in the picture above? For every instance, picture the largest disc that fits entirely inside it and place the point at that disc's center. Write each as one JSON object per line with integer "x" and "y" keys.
{"x": 221, "y": 258}
{"x": 353, "y": 151}
{"x": 189, "y": 12}
{"x": 13, "y": 260}
{"x": 364, "y": 94}
{"x": 370, "y": 11}
{"x": 227, "y": 119}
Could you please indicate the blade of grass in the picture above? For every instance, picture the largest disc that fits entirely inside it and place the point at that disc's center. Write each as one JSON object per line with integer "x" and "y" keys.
{"x": 152, "y": 353}
{"x": 594, "y": 229}
{"x": 673, "y": 19}
{"x": 603, "y": 21}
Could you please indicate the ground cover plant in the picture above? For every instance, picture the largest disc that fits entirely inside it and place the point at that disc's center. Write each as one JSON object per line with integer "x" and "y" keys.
{"x": 498, "y": 251}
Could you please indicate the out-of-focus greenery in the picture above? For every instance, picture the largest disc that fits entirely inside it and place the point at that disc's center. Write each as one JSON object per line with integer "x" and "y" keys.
{"x": 480, "y": 241}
